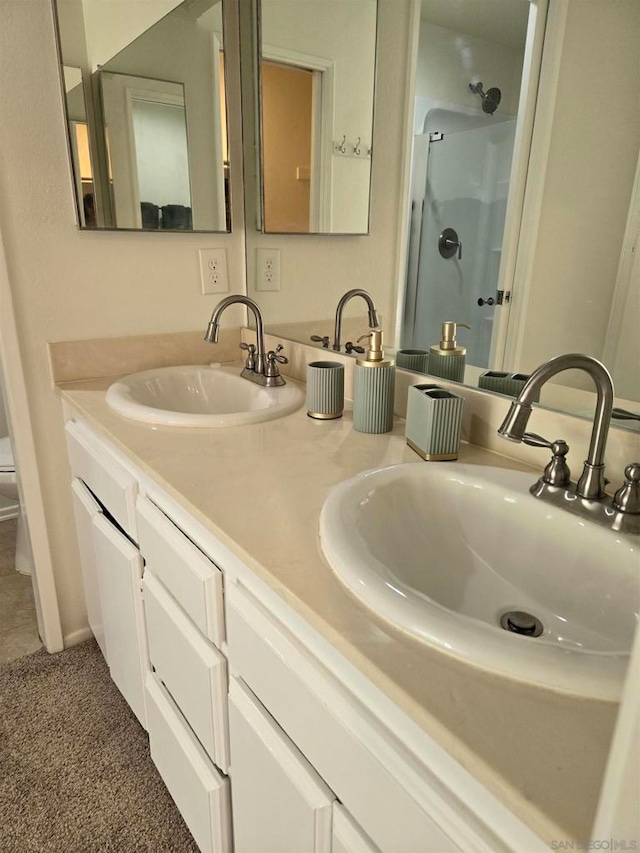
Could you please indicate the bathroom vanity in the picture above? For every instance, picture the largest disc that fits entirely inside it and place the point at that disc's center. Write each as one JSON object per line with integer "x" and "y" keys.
{"x": 266, "y": 686}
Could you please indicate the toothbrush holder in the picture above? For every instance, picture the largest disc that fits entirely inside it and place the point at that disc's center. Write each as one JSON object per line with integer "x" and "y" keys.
{"x": 434, "y": 421}
{"x": 325, "y": 390}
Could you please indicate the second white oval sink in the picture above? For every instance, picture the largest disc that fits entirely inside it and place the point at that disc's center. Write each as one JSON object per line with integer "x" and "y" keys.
{"x": 446, "y": 551}
{"x": 200, "y": 396}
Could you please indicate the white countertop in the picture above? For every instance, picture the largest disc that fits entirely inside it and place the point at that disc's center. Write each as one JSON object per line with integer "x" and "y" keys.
{"x": 541, "y": 753}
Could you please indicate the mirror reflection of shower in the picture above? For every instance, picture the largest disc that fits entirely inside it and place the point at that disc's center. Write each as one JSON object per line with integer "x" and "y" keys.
{"x": 490, "y": 99}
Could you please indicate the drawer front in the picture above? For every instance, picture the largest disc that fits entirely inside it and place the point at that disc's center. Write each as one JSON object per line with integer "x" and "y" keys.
{"x": 193, "y": 671}
{"x": 279, "y": 802}
{"x": 191, "y": 578}
{"x": 265, "y": 658}
{"x": 199, "y": 791}
{"x": 112, "y": 484}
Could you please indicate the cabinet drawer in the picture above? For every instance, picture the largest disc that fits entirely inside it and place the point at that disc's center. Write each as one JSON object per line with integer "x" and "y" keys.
{"x": 280, "y": 804}
{"x": 110, "y": 482}
{"x": 191, "y": 578}
{"x": 270, "y": 661}
{"x": 193, "y": 671}
{"x": 199, "y": 791}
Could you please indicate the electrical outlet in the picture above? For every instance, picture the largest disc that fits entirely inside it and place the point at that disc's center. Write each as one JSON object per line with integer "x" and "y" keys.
{"x": 213, "y": 270}
{"x": 267, "y": 269}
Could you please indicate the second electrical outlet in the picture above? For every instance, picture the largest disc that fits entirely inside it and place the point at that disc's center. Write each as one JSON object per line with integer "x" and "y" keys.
{"x": 267, "y": 269}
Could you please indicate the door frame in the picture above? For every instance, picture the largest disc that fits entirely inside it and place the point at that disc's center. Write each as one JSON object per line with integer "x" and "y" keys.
{"x": 30, "y": 488}
{"x": 322, "y": 122}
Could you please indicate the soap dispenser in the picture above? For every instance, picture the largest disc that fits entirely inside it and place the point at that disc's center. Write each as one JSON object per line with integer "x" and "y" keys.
{"x": 448, "y": 359}
{"x": 374, "y": 381}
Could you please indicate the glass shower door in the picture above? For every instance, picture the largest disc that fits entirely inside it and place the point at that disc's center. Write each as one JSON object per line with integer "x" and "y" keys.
{"x": 467, "y": 188}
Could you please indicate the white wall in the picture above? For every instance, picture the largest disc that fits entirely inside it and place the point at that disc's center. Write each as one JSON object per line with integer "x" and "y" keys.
{"x": 113, "y": 24}
{"x": 587, "y": 186}
{"x": 344, "y": 34}
{"x": 448, "y": 61}
{"x": 67, "y": 284}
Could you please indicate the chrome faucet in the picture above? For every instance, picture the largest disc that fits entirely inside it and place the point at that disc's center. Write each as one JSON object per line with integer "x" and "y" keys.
{"x": 587, "y": 497}
{"x": 259, "y": 367}
{"x": 373, "y": 314}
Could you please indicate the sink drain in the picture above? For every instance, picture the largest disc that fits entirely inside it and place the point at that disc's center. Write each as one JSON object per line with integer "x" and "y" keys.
{"x": 519, "y": 622}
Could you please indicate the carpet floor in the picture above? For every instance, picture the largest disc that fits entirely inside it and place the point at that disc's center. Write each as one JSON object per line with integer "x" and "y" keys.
{"x": 75, "y": 770}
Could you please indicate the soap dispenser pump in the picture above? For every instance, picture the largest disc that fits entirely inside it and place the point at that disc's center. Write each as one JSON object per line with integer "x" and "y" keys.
{"x": 448, "y": 359}
{"x": 373, "y": 387}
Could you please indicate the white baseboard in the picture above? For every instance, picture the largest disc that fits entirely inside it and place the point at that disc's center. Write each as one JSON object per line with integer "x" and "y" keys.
{"x": 76, "y": 637}
{"x": 9, "y": 511}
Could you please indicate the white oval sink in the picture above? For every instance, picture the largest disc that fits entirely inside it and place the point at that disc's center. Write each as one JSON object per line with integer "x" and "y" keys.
{"x": 445, "y": 550}
{"x": 200, "y": 396}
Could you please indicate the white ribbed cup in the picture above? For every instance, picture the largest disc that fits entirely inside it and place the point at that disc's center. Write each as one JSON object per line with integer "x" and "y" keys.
{"x": 325, "y": 389}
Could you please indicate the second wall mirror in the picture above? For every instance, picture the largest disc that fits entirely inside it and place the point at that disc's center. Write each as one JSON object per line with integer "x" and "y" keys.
{"x": 144, "y": 88}
{"x": 317, "y": 72}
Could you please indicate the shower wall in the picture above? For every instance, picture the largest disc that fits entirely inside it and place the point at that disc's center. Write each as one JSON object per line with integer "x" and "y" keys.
{"x": 465, "y": 187}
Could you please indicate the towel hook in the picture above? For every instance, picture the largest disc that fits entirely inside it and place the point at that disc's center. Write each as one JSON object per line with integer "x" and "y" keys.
{"x": 342, "y": 148}
{"x": 356, "y": 148}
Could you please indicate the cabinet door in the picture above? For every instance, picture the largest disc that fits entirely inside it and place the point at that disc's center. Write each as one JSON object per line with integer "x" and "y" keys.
{"x": 347, "y": 836}
{"x": 119, "y": 567}
{"x": 85, "y": 508}
{"x": 279, "y": 803}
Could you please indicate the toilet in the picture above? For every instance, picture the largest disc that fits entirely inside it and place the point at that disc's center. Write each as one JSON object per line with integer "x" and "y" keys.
{"x": 9, "y": 489}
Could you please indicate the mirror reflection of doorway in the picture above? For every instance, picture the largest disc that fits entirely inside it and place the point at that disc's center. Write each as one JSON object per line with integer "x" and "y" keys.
{"x": 287, "y": 96}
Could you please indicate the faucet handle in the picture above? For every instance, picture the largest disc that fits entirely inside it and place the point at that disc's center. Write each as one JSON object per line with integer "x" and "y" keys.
{"x": 321, "y": 339}
{"x": 627, "y": 498}
{"x": 272, "y": 355}
{"x": 557, "y": 472}
{"x": 251, "y": 355}
{"x": 350, "y": 347}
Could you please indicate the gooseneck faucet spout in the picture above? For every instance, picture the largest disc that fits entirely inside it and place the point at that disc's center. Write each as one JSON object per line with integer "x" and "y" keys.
{"x": 373, "y": 314}
{"x": 213, "y": 329}
{"x": 591, "y": 483}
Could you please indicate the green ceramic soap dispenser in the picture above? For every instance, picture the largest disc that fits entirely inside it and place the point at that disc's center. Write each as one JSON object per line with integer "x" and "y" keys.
{"x": 374, "y": 382}
{"x": 448, "y": 359}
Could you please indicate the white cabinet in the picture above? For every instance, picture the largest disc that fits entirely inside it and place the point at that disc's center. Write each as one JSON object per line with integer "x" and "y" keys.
{"x": 112, "y": 573}
{"x": 193, "y": 671}
{"x": 280, "y": 804}
{"x": 346, "y": 835}
{"x": 119, "y": 571}
{"x": 85, "y": 508}
{"x": 199, "y": 791}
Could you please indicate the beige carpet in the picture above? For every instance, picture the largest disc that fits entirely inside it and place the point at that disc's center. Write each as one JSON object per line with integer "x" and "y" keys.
{"x": 75, "y": 771}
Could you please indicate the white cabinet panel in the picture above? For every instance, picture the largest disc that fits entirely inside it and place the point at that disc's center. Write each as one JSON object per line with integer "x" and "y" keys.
{"x": 347, "y": 836}
{"x": 199, "y": 791}
{"x": 119, "y": 567}
{"x": 192, "y": 669}
{"x": 272, "y": 665}
{"x": 191, "y": 578}
{"x": 112, "y": 484}
{"x": 85, "y": 507}
{"x": 280, "y": 804}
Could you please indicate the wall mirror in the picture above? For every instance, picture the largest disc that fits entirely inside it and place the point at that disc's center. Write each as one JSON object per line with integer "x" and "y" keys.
{"x": 567, "y": 268}
{"x": 144, "y": 88}
{"x": 316, "y": 80}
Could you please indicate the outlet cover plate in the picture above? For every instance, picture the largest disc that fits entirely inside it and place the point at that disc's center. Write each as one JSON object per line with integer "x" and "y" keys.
{"x": 213, "y": 270}
{"x": 267, "y": 269}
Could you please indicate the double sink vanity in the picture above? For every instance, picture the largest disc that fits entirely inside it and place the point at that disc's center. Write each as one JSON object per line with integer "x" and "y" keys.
{"x": 322, "y": 634}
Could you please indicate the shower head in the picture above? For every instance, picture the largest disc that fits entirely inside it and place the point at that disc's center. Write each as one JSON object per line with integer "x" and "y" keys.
{"x": 490, "y": 99}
